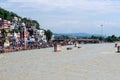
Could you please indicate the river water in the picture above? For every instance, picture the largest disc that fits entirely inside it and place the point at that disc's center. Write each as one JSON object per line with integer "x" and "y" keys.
{"x": 90, "y": 62}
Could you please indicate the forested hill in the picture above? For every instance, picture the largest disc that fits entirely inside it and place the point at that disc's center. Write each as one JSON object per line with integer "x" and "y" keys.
{"x": 7, "y": 15}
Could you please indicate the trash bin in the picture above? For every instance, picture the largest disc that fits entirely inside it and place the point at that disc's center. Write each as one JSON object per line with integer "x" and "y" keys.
{"x": 57, "y": 48}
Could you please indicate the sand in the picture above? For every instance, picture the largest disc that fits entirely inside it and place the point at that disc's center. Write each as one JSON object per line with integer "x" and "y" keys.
{"x": 91, "y": 62}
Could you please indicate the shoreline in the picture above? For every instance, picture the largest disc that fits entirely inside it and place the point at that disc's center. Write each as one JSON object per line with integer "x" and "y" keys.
{"x": 2, "y": 51}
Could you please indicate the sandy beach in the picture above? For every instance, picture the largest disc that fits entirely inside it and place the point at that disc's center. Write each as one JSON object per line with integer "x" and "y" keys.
{"x": 91, "y": 62}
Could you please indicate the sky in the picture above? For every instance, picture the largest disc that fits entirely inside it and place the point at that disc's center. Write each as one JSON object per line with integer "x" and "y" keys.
{"x": 70, "y": 16}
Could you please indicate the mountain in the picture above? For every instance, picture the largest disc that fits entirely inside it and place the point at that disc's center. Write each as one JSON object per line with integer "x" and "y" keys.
{"x": 73, "y": 34}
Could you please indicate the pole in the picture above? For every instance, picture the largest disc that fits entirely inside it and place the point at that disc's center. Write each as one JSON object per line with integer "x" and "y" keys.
{"x": 101, "y": 33}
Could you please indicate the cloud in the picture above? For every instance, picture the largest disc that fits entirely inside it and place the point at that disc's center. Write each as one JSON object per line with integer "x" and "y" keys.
{"x": 101, "y": 6}
{"x": 77, "y": 15}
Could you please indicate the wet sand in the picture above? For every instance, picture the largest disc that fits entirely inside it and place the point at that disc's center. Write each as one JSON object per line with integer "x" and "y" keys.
{"x": 91, "y": 62}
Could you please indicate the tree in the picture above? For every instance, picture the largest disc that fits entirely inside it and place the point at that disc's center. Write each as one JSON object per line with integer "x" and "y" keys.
{"x": 48, "y": 34}
{"x": 112, "y": 38}
{"x": 4, "y": 14}
{"x": 94, "y": 37}
{"x": 36, "y": 24}
{"x": 30, "y": 23}
{"x": 62, "y": 37}
{"x": 97, "y": 37}
{"x": 1, "y": 13}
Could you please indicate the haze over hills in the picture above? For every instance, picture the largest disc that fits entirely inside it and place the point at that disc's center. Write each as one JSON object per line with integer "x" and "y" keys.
{"x": 76, "y": 34}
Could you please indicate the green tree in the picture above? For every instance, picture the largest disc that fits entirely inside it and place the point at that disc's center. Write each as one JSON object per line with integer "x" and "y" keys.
{"x": 4, "y": 14}
{"x": 62, "y": 37}
{"x": 30, "y": 23}
{"x": 1, "y": 13}
{"x": 48, "y": 34}
{"x": 97, "y": 37}
{"x": 112, "y": 38}
{"x": 37, "y": 25}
